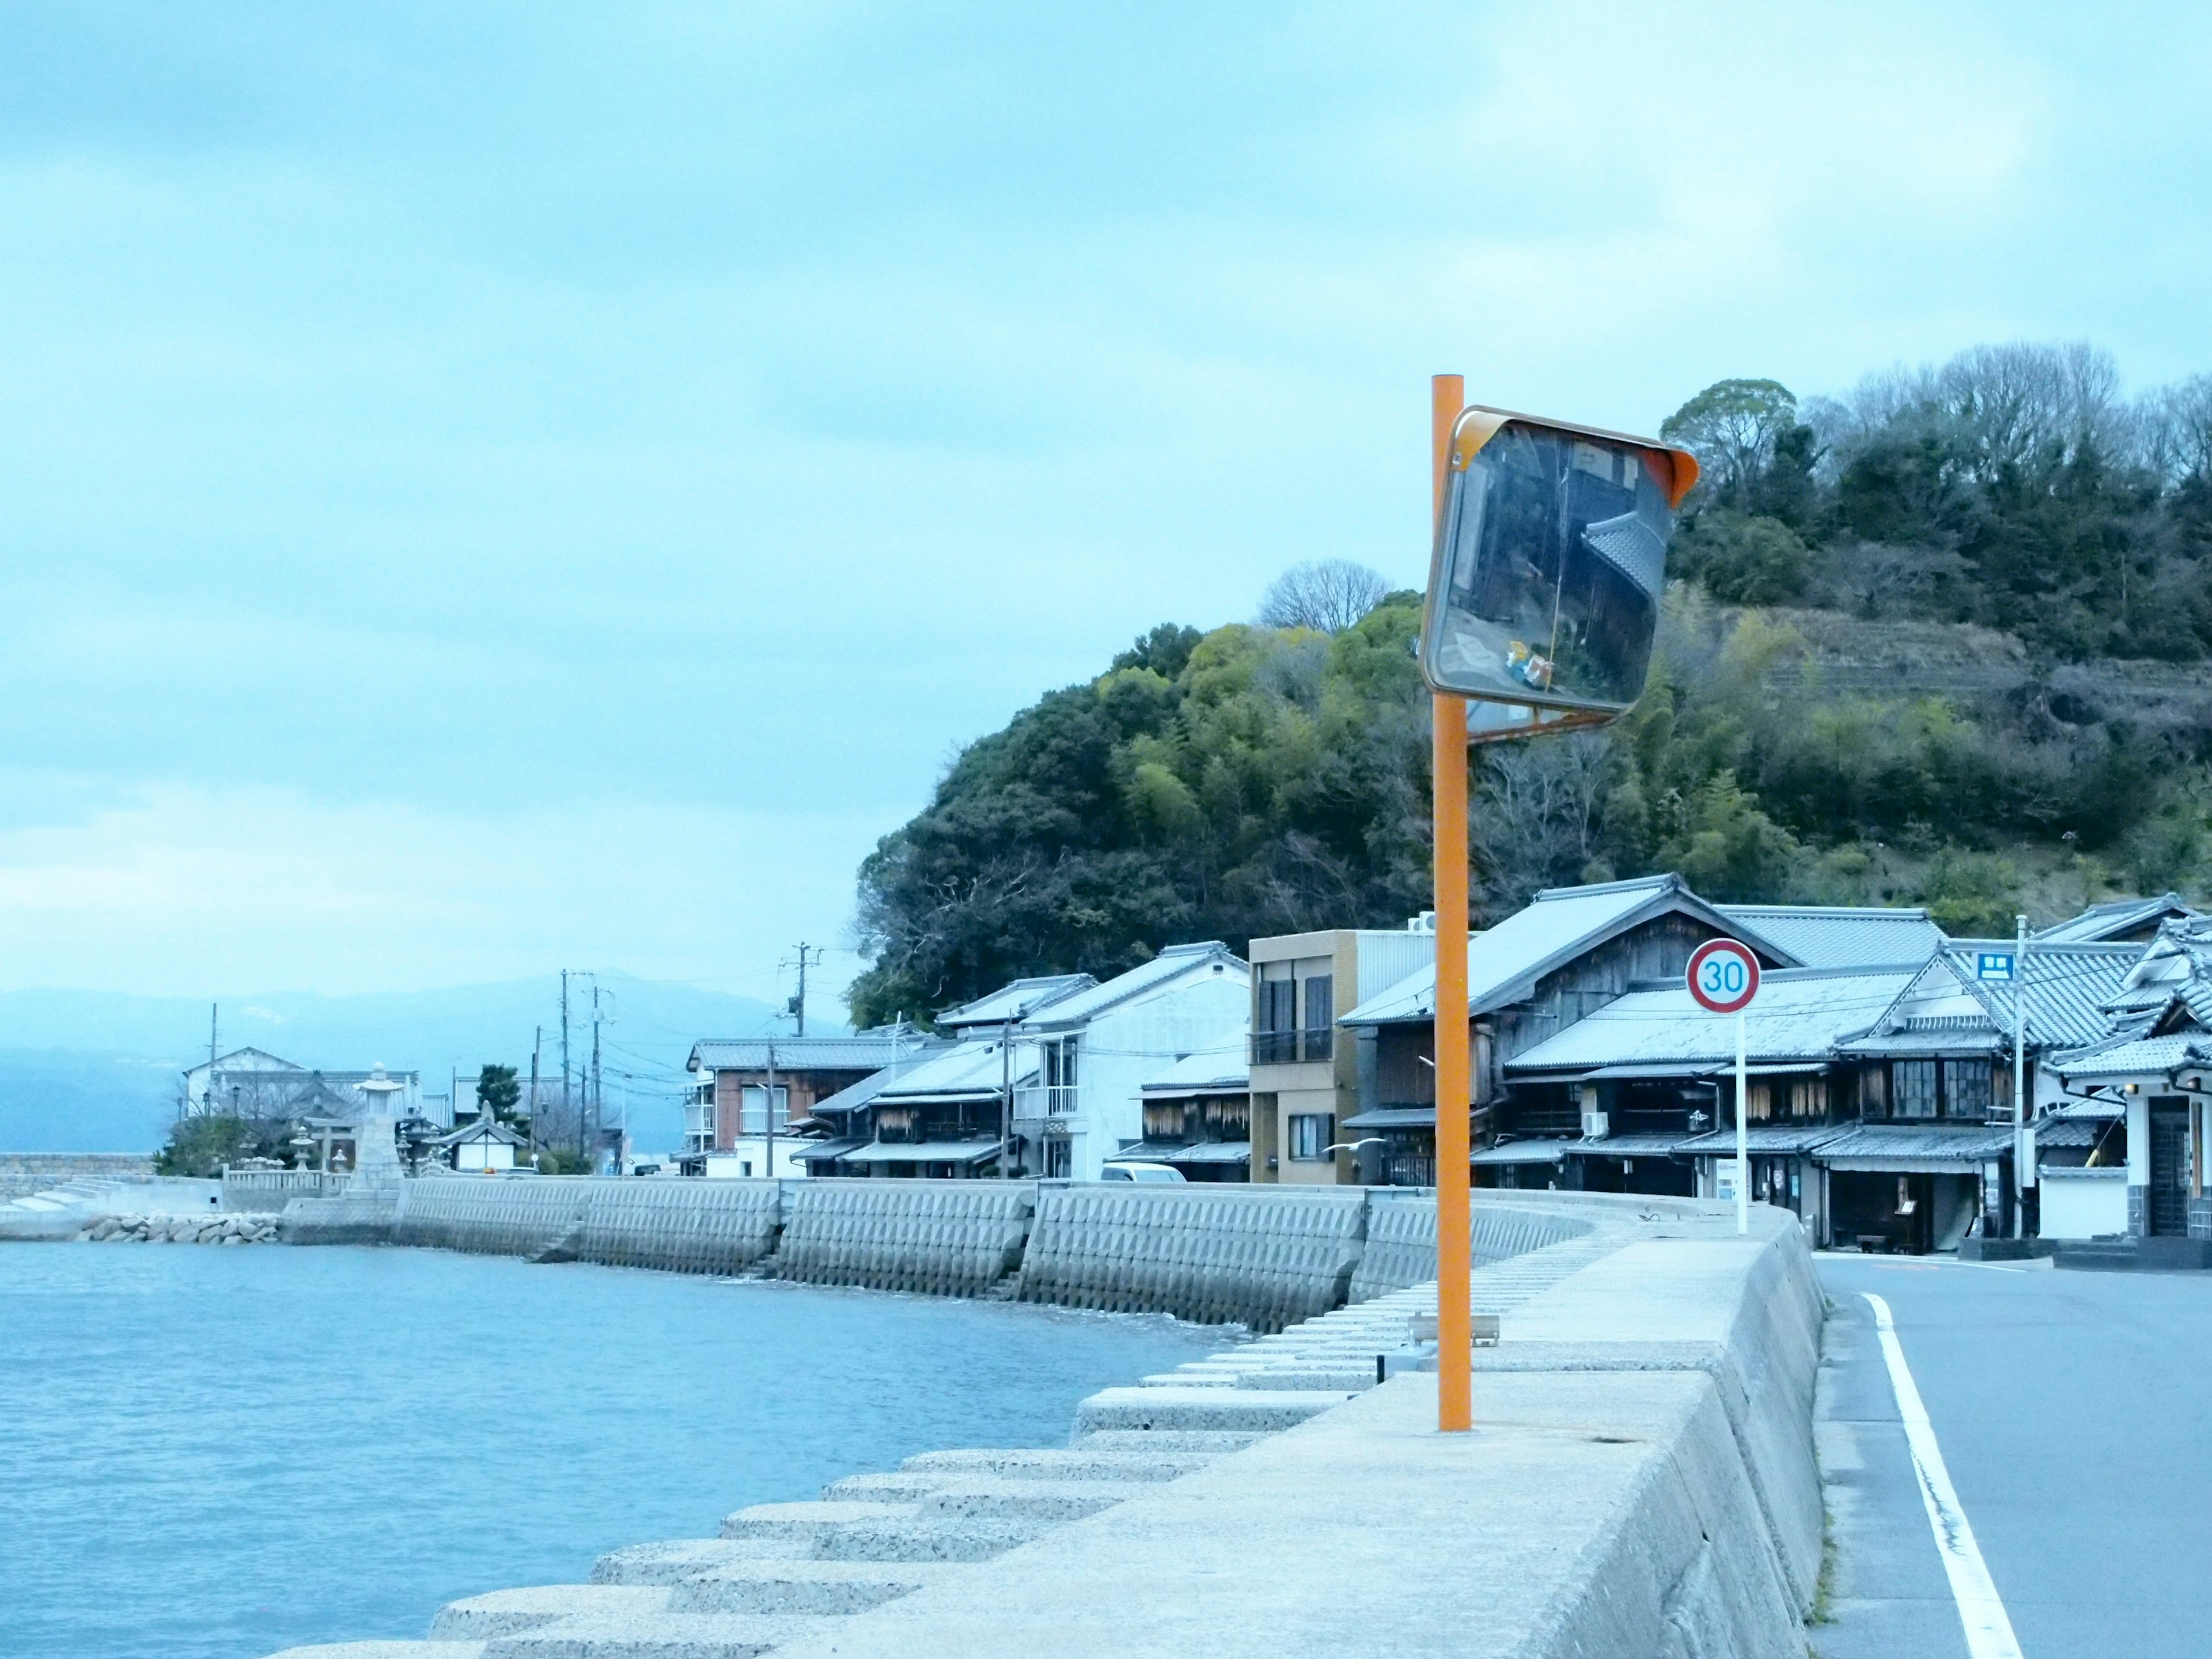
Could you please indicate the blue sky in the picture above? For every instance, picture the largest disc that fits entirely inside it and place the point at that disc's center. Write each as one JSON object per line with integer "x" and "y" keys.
{"x": 491, "y": 487}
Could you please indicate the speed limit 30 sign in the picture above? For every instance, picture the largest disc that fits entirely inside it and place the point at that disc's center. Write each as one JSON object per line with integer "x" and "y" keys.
{"x": 1723, "y": 976}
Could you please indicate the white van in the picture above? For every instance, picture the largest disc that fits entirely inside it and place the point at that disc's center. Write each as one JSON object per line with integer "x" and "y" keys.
{"x": 1149, "y": 1172}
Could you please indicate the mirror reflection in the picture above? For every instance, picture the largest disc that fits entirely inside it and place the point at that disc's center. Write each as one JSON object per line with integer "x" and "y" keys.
{"x": 1554, "y": 558}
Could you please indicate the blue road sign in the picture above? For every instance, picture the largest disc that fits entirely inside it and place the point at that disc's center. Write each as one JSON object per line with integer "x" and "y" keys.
{"x": 1993, "y": 965}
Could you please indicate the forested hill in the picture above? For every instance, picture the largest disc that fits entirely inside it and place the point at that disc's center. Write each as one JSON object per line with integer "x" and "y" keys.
{"x": 1943, "y": 640}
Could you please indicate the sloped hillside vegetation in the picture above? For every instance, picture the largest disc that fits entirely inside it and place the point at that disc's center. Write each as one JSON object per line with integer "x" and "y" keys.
{"x": 1943, "y": 640}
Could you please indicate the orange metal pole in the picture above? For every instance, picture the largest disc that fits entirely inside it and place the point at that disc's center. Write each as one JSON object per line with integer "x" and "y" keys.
{"x": 1455, "y": 1094}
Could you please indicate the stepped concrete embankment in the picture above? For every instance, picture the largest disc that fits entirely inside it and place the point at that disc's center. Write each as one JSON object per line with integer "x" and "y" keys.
{"x": 30, "y": 1172}
{"x": 1640, "y": 1482}
{"x": 62, "y": 1210}
{"x": 1259, "y": 1256}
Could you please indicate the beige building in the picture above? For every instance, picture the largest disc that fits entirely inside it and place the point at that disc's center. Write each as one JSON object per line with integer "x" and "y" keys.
{"x": 1305, "y": 1072}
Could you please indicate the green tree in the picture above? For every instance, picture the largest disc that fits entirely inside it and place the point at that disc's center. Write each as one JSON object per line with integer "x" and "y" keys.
{"x": 498, "y": 1093}
{"x": 1733, "y": 427}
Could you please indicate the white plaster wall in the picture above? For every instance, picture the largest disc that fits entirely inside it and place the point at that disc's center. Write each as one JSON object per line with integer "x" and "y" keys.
{"x": 2084, "y": 1204}
{"x": 1127, "y": 1046}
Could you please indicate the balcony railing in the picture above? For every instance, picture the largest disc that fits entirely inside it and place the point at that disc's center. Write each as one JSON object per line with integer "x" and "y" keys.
{"x": 1289, "y": 1048}
{"x": 1047, "y": 1100}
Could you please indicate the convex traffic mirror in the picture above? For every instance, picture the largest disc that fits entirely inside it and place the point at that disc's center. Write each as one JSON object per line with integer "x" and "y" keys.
{"x": 1550, "y": 559}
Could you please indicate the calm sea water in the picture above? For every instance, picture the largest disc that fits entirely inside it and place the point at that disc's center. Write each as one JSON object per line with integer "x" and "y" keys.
{"x": 212, "y": 1453}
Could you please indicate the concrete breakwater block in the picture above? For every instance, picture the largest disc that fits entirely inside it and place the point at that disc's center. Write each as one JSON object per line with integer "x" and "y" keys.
{"x": 1062, "y": 1463}
{"x": 1154, "y": 1442}
{"x": 800, "y": 1522}
{"x": 386, "y": 1650}
{"x": 671, "y": 1560}
{"x": 502, "y": 1612}
{"x": 651, "y": 1636}
{"x": 949, "y": 1495}
{"x": 822, "y": 1589}
{"x": 928, "y": 1538}
{"x": 1261, "y": 1409}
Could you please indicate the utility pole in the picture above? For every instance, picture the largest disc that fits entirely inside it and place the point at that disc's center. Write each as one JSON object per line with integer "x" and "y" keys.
{"x": 1006, "y": 1095}
{"x": 207, "y": 1095}
{"x": 796, "y": 1007}
{"x": 536, "y": 1041}
{"x": 597, "y": 1094}
{"x": 564, "y": 1061}
{"x": 2023, "y": 1131}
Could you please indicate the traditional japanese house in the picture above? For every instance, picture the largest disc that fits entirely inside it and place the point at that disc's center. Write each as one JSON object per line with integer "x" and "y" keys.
{"x": 1569, "y": 953}
{"x": 2152, "y": 1070}
{"x": 1198, "y": 1113}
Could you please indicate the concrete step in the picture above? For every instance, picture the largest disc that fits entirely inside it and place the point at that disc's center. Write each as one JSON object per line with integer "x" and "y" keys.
{"x": 927, "y": 1538}
{"x": 1248, "y": 1409}
{"x": 821, "y": 1588}
{"x": 1063, "y": 1463}
{"x": 953, "y": 1495}
{"x": 651, "y": 1635}
{"x": 1216, "y": 1441}
{"x": 502, "y": 1612}
{"x": 803, "y": 1522}
{"x": 674, "y": 1559}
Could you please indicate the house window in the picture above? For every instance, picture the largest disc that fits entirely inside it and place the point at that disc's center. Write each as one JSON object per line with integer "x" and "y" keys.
{"x": 752, "y": 1110}
{"x": 1058, "y": 1060}
{"x": 1275, "y": 1022}
{"x": 1321, "y": 1017}
{"x": 1808, "y": 1097}
{"x": 1761, "y": 1098}
{"x": 1968, "y": 1087}
{"x": 1310, "y": 1135}
{"x": 1056, "y": 1153}
{"x": 1916, "y": 1087}
{"x": 1874, "y": 1092}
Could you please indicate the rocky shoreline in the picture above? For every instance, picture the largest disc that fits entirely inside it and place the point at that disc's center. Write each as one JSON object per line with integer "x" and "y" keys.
{"x": 183, "y": 1230}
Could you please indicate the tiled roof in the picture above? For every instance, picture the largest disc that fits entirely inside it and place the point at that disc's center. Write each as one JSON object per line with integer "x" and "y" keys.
{"x": 1833, "y": 937}
{"x": 1626, "y": 1147}
{"x": 2105, "y": 921}
{"x": 858, "y": 1051}
{"x": 1171, "y": 964}
{"x": 1964, "y": 1145}
{"x": 1522, "y": 1151}
{"x": 1765, "y": 1138}
{"x": 1017, "y": 1001}
{"x": 2069, "y": 987}
{"x": 974, "y": 1070}
{"x": 1799, "y": 1014}
{"x": 855, "y": 1095}
{"x": 2152, "y": 1056}
{"x": 1504, "y": 962}
{"x": 1221, "y": 1067}
{"x": 2078, "y": 1132}
{"x": 1393, "y": 1117}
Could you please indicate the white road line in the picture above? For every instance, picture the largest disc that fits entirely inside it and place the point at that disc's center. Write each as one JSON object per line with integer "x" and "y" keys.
{"x": 1989, "y": 1631}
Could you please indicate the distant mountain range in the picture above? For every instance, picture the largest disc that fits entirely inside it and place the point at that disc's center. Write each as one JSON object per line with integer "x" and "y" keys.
{"x": 93, "y": 1072}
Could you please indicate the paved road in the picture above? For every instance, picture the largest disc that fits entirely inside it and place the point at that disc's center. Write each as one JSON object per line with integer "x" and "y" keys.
{"x": 2073, "y": 1411}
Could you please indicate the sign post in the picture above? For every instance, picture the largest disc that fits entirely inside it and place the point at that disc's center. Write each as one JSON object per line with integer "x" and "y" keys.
{"x": 1724, "y": 978}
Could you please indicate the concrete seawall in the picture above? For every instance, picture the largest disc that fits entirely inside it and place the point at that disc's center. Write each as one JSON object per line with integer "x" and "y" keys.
{"x": 1259, "y": 1256}
{"x": 1640, "y": 1482}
